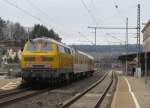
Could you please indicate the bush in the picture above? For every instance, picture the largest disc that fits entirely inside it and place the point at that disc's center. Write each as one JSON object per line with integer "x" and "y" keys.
{"x": 10, "y": 60}
{"x": 16, "y": 60}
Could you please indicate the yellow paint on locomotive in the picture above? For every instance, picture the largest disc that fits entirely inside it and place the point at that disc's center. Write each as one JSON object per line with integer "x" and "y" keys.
{"x": 37, "y": 55}
{"x": 59, "y": 60}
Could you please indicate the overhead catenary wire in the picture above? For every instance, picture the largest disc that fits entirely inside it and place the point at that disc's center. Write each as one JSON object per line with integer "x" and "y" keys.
{"x": 119, "y": 12}
{"x": 50, "y": 17}
{"x": 123, "y": 12}
{"x": 96, "y": 12}
{"x": 24, "y": 11}
{"x": 43, "y": 12}
{"x": 40, "y": 10}
{"x": 31, "y": 15}
{"x": 89, "y": 12}
{"x": 115, "y": 37}
{"x": 86, "y": 38}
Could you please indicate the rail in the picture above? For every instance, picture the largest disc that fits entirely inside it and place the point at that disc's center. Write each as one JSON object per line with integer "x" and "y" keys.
{"x": 75, "y": 98}
{"x": 12, "y": 97}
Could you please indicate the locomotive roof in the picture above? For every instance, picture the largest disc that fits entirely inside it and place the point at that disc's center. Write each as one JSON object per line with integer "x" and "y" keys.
{"x": 62, "y": 44}
{"x": 89, "y": 56}
{"x": 52, "y": 40}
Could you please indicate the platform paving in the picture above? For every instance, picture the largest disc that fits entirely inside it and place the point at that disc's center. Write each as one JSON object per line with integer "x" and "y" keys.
{"x": 131, "y": 92}
{"x": 122, "y": 97}
{"x": 141, "y": 91}
{"x": 7, "y": 84}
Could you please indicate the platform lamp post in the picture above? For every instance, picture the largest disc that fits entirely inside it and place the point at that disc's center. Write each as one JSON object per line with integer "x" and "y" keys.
{"x": 126, "y": 42}
{"x": 145, "y": 56}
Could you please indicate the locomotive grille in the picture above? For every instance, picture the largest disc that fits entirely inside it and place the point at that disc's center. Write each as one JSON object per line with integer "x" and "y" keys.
{"x": 47, "y": 59}
{"x": 38, "y": 66}
{"x": 29, "y": 58}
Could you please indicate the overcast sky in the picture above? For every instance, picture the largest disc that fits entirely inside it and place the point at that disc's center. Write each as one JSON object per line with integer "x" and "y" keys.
{"x": 70, "y": 18}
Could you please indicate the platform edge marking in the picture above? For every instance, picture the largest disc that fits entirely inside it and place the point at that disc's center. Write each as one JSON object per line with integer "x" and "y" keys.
{"x": 132, "y": 94}
{"x": 6, "y": 85}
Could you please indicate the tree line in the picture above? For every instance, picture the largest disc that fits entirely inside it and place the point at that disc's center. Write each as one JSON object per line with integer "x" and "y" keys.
{"x": 15, "y": 31}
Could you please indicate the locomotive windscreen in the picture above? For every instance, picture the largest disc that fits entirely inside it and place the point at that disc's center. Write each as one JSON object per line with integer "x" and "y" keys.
{"x": 39, "y": 45}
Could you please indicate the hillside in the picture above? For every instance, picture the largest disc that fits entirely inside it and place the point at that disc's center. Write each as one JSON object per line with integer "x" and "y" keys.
{"x": 102, "y": 51}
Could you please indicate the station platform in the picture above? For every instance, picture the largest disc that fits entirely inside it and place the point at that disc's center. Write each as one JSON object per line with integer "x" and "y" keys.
{"x": 8, "y": 84}
{"x": 131, "y": 92}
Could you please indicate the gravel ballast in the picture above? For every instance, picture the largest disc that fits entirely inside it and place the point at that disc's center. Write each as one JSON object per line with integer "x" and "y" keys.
{"x": 55, "y": 97}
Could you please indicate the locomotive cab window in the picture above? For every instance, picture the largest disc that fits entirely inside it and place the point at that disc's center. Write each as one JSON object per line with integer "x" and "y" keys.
{"x": 39, "y": 46}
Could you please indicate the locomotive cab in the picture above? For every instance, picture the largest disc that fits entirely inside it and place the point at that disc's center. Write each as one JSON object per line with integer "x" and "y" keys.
{"x": 38, "y": 60}
{"x": 44, "y": 59}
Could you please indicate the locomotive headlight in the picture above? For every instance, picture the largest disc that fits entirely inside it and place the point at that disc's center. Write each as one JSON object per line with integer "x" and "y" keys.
{"x": 50, "y": 65}
{"x": 28, "y": 65}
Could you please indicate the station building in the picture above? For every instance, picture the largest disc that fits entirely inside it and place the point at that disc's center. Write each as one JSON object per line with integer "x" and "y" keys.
{"x": 144, "y": 55}
{"x": 146, "y": 37}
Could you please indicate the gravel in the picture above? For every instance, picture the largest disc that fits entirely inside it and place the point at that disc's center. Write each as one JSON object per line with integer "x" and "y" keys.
{"x": 54, "y": 98}
{"x": 108, "y": 99}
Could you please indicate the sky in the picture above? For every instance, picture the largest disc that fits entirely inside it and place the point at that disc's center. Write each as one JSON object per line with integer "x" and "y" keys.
{"x": 71, "y": 18}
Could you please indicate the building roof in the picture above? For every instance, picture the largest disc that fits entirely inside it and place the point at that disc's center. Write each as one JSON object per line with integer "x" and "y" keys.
{"x": 131, "y": 57}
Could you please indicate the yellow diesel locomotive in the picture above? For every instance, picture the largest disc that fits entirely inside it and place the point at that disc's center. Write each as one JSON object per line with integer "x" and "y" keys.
{"x": 44, "y": 59}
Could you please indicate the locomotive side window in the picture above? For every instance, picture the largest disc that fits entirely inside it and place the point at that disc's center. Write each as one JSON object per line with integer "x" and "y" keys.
{"x": 61, "y": 49}
{"x": 67, "y": 50}
{"x": 64, "y": 49}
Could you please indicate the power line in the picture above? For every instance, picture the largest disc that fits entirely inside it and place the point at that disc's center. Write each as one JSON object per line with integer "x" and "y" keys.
{"x": 96, "y": 13}
{"x": 114, "y": 37}
{"x": 48, "y": 16}
{"x": 86, "y": 38}
{"x": 45, "y": 14}
{"x": 119, "y": 12}
{"x": 41, "y": 11}
{"x": 121, "y": 33}
{"x": 123, "y": 12}
{"x": 93, "y": 18}
{"x": 88, "y": 10}
{"x": 38, "y": 9}
{"x": 114, "y": 27}
{"x": 28, "y": 13}
{"x": 24, "y": 11}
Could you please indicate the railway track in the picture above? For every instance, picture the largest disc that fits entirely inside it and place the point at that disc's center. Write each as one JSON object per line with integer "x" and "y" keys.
{"x": 15, "y": 96}
{"x": 12, "y": 92}
{"x": 18, "y": 95}
{"x": 78, "y": 100}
